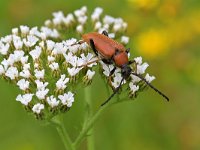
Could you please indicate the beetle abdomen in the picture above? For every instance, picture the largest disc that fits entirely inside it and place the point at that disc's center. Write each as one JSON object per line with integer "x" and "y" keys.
{"x": 103, "y": 44}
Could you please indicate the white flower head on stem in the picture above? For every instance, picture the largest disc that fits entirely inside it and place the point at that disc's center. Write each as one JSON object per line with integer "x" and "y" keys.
{"x": 30, "y": 41}
{"x": 25, "y": 99}
{"x": 141, "y": 68}
{"x": 25, "y": 73}
{"x": 37, "y": 108}
{"x": 39, "y": 74}
{"x": 41, "y": 94}
{"x": 41, "y": 85}
{"x": 15, "y": 31}
{"x": 4, "y": 48}
{"x": 52, "y": 101}
{"x": 61, "y": 83}
{"x": 133, "y": 88}
{"x": 149, "y": 78}
{"x": 2, "y": 70}
{"x": 23, "y": 84}
{"x": 54, "y": 66}
{"x": 12, "y": 73}
{"x": 67, "y": 99}
{"x": 73, "y": 71}
{"x": 35, "y": 54}
{"x": 90, "y": 74}
{"x": 24, "y": 30}
{"x": 138, "y": 60}
{"x": 124, "y": 39}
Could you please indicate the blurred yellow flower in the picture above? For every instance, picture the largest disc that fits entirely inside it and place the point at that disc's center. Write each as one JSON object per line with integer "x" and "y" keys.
{"x": 153, "y": 43}
{"x": 145, "y": 4}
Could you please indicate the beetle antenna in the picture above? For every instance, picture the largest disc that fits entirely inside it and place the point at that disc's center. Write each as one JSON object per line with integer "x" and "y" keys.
{"x": 155, "y": 89}
{"x": 115, "y": 91}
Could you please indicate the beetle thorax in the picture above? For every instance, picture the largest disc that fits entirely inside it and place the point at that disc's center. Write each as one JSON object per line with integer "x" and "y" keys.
{"x": 120, "y": 59}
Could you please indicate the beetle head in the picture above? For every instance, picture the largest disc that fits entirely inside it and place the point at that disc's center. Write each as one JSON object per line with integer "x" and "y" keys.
{"x": 126, "y": 71}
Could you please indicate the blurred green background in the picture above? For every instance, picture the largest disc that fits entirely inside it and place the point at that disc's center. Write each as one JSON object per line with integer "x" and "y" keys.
{"x": 166, "y": 34}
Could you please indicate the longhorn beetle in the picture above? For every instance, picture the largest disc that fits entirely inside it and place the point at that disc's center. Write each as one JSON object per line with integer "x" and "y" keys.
{"x": 112, "y": 52}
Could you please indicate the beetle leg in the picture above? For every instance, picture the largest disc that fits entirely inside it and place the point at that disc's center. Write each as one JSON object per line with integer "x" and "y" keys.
{"x": 115, "y": 91}
{"x": 112, "y": 71}
{"x": 133, "y": 62}
{"x": 105, "y": 33}
{"x": 127, "y": 50}
{"x": 93, "y": 46}
{"x": 91, "y": 62}
{"x": 110, "y": 76}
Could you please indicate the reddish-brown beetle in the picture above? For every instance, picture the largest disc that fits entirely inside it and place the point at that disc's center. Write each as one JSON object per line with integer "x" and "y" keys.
{"x": 112, "y": 52}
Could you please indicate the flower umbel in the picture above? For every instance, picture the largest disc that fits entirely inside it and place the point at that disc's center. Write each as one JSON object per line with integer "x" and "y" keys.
{"x": 45, "y": 63}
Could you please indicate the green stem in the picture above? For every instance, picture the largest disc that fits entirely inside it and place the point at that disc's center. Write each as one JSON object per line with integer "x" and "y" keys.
{"x": 58, "y": 122}
{"x": 90, "y": 138}
{"x": 90, "y": 124}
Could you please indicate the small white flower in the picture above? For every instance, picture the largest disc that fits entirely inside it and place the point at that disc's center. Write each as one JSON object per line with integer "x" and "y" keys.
{"x": 52, "y": 101}
{"x": 71, "y": 59}
{"x": 117, "y": 79}
{"x": 39, "y": 74}
{"x": 61, "y": 83}
{"x": 50, "y": 32}
{"x": 23, "y": 84}
{"x": 96, "y": 14}
{"x": 149, "y": 78}
{"x": 17, "y": 42}
{"x": 7, "y": 39}
{"x": 70, "y": 42}
{"x": 138, "y": 60}
{"x": 125, "y": 39}
{"x": 2, "y": 70}
{"x": 50, "y": 45}
{"x": 35, "y": 54}
{"x": 141, "y": 68}
{"x": 108, "y": 20}
{"x": 106, "y": 68}
{"x": 73, "y": 71}
{"x": 41, "y": 85}
{"x": 30, "y": 41}
{"x": 51, "y": 59}
{"x": 69, "y": 19}
{"x": 74, "y": 48}
{"x": 4, "y": 48}
{"x": 58, "y": 18}
{"x": 24, "y": 30}
{"x": 111, "y": 35}
{"x": 97, "y": 25}
{"x": 41, "y": 94}
{"x": 15, "y": 31}
{"x": 34, "y": 31}
{"x": 12, "y": 73}
{"x": 5, "y": 64}
{"x": 25, "y": 73}
{"x": 67, "y": 99}
{"x": 18, "y": 54}
{"x": 24, "y": 59}
{"x": 59, "y": 49}
{"x": 135, "y": 79}
{"x": 25, "y": 99}
{"x": 133, "y": 87}
{"x": 90, "y": 74}
{"x": 54, "y": 66}
{"x": 47, "y": 23}
{"x": 87, "y": 59}
{"x": 79, "y": 29}
{"x": 37, "y": 108}
{"x": 82, "y": 20}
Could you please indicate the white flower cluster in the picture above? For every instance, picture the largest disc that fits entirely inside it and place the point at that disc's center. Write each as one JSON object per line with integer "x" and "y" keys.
{"x": 45, "y": 66}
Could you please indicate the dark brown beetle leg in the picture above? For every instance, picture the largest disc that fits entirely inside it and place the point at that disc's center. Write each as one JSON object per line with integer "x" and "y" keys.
{"x": 105, "y": 33}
